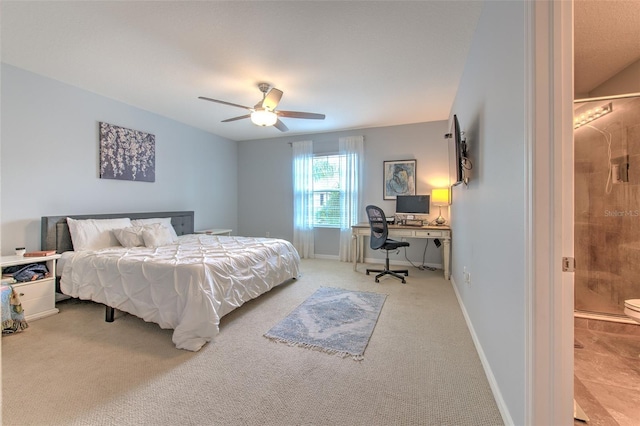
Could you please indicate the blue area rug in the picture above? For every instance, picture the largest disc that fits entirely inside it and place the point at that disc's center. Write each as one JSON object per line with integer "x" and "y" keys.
{"x": 332, "y": 320}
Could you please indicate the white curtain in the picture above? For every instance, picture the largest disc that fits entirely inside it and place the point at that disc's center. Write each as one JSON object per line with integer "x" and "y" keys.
{"x": 350, "y": 195}
{"x": 303, "y": 198}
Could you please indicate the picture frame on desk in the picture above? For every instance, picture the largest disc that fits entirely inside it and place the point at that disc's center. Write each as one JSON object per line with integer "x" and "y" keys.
{"x": 399, "y": 178}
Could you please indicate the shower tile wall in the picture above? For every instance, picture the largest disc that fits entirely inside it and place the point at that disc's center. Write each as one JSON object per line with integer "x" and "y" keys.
{"x": 607, "y": 225}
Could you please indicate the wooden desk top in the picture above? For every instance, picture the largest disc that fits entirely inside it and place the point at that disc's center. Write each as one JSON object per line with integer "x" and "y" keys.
{"x": 433, "y": 227}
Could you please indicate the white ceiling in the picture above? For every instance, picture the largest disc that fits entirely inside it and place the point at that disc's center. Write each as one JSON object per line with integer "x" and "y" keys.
{"x": 363, "y": 64}
{"x": 606, "y": 40}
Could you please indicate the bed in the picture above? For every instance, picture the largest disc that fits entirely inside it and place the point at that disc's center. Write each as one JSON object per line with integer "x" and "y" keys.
{"x": 186, "y": 285}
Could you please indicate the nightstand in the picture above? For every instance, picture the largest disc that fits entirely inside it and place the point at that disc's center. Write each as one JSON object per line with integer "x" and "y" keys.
{"x": 38, "y": 297}
{"x": 215, "y": 232}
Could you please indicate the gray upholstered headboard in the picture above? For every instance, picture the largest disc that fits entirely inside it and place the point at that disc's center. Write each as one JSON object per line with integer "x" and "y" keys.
{"x": 55, "y": 231}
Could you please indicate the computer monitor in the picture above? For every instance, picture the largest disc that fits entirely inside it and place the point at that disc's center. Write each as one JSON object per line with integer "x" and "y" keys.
{"x": 413, "y": 204}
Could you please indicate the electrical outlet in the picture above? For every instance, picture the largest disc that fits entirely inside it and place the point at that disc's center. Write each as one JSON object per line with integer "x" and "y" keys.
{"x": 268, "y": 234}
{"x": 467, "y": 275}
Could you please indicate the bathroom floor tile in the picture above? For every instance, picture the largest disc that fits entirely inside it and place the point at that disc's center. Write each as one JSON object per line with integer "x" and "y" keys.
{"x": 605, "y": 369}
{"x": 598, "y": 415}
{"x": 607, "y": 377}
{"x": 622, "y": 405}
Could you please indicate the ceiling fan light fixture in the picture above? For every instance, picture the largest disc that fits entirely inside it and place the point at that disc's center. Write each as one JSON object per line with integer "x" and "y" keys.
{"x": 264, "y": 113}
{"x": 263, "y": 117}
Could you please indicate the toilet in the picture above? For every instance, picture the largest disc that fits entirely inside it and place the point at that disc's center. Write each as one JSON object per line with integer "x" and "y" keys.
{"x": 632, "y": 309}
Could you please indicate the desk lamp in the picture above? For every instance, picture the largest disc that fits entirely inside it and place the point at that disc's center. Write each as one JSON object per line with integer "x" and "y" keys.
{"x": 440, "y": 197}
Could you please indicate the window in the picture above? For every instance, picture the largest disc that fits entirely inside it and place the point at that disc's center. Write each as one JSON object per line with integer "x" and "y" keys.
{"x": 326, "y": 190}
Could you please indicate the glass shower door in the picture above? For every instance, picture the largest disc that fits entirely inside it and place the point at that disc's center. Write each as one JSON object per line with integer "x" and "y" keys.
{"x": 607, "y": 203}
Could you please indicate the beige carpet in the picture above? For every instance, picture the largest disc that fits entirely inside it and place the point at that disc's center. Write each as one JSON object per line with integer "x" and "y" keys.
{"x": 420, "y": 367}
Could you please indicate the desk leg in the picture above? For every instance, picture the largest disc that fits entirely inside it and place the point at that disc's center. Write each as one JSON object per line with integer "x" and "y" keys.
{"x": 354, "y": 251}
{"x": 446, "y": 247}
{"x": 358, "y": 254}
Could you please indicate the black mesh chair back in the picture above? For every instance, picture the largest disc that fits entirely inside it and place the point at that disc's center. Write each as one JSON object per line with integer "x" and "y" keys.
{"x": 378, "y": 224}
{"x": 380, "y": 240}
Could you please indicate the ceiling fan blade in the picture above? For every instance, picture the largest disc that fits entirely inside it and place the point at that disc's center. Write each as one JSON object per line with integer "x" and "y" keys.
{"x": 272, "y": 99}
{"x": 298, "y": 114}
{"x": 280, "y": 126}
{"x": 236, "y": 118}
{"x": 223, "y": 102}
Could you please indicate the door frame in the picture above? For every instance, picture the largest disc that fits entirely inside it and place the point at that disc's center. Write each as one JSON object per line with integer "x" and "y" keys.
{"x": 549, "y": 163}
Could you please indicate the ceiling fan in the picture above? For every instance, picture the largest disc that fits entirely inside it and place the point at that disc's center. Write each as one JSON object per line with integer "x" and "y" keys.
{"x": 264, "y": 112}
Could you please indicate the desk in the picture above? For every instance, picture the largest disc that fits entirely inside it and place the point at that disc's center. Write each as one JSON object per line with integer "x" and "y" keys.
{"x": 442, "y": 233}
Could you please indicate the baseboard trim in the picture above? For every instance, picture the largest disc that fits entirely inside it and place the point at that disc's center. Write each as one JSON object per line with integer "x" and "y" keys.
{"x": 393, "y": 262}
{"x": 326, "y": 256}
{"x": 377, "y": 261}
{"x": 495, "y": 389}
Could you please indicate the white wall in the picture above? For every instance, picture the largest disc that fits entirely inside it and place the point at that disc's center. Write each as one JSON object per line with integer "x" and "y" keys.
{"x": 488, "y": 216}
{"x": 265, "y": 180}
{"x": 50, "y": 152}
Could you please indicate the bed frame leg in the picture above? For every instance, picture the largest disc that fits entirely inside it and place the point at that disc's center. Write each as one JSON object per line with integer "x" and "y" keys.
{"x": 109, "y": 314}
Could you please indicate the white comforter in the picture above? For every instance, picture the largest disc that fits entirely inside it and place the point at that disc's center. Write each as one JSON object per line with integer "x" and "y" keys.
{"x": 187, "y": 286}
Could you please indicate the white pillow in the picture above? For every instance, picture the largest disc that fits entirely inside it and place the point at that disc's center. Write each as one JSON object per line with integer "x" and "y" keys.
{"x": 130, "y": 237}
{"x": 156, "y": 235}
{"x": 165, "y": 221}
{"x": 95, "y": 234}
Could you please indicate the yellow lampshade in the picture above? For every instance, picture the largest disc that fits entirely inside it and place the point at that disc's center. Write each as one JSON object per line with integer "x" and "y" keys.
{"x": 440, "y": 197}
{"x": 263, "y": 117}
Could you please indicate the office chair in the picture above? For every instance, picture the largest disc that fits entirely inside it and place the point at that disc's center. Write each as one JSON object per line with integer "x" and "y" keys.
{"x": 379, "y": 240}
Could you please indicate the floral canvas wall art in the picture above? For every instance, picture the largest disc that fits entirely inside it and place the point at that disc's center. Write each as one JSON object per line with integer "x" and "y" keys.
{"x": 127, "y": 154}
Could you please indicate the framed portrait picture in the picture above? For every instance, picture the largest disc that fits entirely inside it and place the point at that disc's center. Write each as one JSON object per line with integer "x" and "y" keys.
{"x": 399, "y": 178}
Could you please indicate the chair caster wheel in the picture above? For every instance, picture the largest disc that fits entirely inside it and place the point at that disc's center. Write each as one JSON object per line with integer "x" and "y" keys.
{"x": 404, "y": 282}
{"x": 367, "y": 272}
{"x": 377, "y": 280}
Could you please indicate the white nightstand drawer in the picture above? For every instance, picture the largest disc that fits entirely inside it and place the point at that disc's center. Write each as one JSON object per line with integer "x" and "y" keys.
{"x": 432, "y": 234}
{"x": 35, "y": 307}
{"x": 34, "y": 289}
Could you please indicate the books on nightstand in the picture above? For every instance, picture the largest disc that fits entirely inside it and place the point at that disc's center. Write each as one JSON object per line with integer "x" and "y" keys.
{"x": 39, "y": 253}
